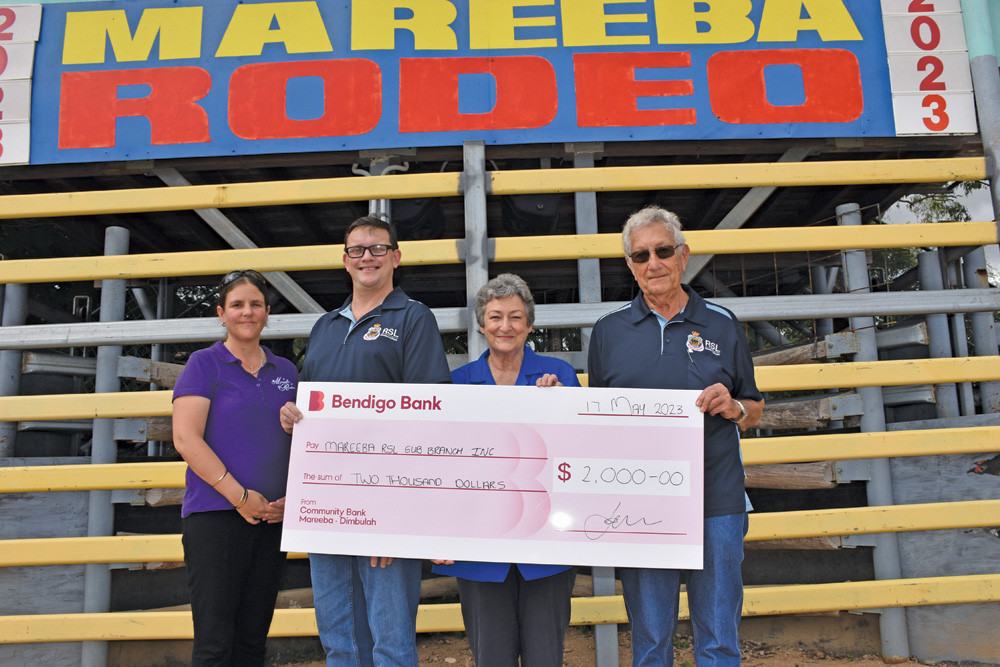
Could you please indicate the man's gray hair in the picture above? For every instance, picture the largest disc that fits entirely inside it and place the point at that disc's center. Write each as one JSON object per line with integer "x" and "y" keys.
{"x": 650, "y": 216}
{"x": 504, "y": 285}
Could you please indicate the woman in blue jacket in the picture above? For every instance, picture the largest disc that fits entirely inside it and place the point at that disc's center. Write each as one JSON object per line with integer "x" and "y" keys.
{"x": 512, "y": 611}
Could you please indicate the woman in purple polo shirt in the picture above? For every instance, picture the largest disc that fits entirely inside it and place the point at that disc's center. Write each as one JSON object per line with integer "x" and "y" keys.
{"x": 512, "y": 610}
{"x": 226, "y": 426}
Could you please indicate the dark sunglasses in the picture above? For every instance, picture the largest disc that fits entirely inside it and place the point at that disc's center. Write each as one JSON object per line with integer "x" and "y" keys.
{"x": 250, "y": 274}
{"x": 663, "y": 252}
{"x": 377, "y": 250}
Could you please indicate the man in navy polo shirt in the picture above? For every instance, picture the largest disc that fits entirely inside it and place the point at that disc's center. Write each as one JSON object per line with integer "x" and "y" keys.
{"x": 671, "y": 338}
{"x": 366, "y": 608}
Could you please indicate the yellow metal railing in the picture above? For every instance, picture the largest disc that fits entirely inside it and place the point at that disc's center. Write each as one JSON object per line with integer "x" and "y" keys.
{"x": 766, "y": 526}
{"x": 756, "y": 451}
{"x": 757, "y": 601}
{"x": 769, "y": 378}
{"x": 402, "y": 186}
{"x": 508, "y": 249}
{"x": 765, "y": 174}
{"x": 232, "y": 195}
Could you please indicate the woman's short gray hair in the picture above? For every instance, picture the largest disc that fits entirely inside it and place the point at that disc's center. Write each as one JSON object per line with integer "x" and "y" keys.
{"x": 504, "y": 285}
{"x": 650, "y": 216}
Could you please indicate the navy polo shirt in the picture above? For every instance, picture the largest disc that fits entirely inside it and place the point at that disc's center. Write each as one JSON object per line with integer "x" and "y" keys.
{"x": 700, "y": 346}
{"x": 397, "y": 341}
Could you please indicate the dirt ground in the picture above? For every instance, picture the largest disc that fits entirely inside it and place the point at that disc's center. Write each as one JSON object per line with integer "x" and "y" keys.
{"x": 453, "y": 649}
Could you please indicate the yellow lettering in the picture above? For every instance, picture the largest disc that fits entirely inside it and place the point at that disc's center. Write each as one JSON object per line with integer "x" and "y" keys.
{"x": 179, "y": 29}
{"x": 300, "y": 28}
{"x": 727, "y": 20}
{"x": 782, "y": 21}
{"x": 585, "y": 23}
{"x": 374, "y": 24}
{"x": 492, "y": 24}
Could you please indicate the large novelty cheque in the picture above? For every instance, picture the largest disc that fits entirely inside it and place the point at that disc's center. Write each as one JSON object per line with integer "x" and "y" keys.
{"x": 583, "y": 476}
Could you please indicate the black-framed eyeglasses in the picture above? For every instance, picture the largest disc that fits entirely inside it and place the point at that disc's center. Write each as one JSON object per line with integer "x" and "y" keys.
{"x": 663, "y": 252}
{"x": 377, "y": 250}
{"x": 253, "y": 276}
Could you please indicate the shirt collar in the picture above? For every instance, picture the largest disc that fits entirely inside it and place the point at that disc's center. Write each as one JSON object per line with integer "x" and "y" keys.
{"x": 480, "y": 372}
{"x": 227, "y": 357}
{"x": 695, "y": 310}
{"x": 395, "y": 300}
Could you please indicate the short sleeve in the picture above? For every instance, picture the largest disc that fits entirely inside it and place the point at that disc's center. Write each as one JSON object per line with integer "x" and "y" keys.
{"x": 595, "y": 375}
{"x": 745, "y": 383}
{"x": 198, "y": 377}
{"x": 424, "y": 360}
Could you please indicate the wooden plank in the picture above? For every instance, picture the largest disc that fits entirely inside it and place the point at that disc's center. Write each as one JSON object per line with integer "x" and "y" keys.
{"x": 808, "y": 353}
{"x": 830, "y": 543}
{"x": 810, "y": 413}
{"x": 164, "y": 374}
{"x": 818, "y": 475}
{"x": 164, "y": 497}
{"x": 160, "y": 428}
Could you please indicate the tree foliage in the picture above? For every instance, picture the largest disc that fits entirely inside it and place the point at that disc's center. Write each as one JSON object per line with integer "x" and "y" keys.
{"x": 945, "y": 206}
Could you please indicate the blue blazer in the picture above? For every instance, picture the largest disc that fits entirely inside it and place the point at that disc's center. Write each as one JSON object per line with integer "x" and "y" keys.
{"x": 533, "y": 367}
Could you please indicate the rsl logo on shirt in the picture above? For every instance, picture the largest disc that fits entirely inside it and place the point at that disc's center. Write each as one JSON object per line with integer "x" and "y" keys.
{"x": 695, "y": 343}
{"x": 377, "y": 330}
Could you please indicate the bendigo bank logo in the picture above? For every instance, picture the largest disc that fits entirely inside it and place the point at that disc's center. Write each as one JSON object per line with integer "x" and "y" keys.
{"x": 244, "y": 71}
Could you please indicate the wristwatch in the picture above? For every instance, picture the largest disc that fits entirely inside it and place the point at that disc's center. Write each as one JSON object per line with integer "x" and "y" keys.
{"x": 743, "y": 412}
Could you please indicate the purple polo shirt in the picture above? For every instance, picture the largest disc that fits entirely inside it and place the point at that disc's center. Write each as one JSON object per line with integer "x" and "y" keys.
{"x": 242, "y": 426}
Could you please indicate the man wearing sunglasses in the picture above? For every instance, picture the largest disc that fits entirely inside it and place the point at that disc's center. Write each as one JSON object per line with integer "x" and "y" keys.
{"x": 366, "y": 607}
{"x": 668, "y": 337}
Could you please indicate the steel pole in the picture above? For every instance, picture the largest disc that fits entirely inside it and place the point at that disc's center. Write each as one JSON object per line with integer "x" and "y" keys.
{"x": 984, "y": 330}
{"x": 986, "y": 85}
{"x": 939, "y": 344}
{"x": 15, "y": 312}
{"x": 895, "y": 641}
{"x": 960, "y": 339}
{"x": 589, "y": 280}
{"x": 589, "y": 283}
{"x": 476, "y": 242}
{"x": 101, "y": 515}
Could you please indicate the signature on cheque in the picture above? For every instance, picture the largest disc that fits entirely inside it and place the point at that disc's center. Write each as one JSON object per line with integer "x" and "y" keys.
{"x": 597, "y": 526}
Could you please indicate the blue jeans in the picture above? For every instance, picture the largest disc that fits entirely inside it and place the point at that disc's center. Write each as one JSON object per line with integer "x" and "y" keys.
{"x": 366, "y": 615}
{"x": 715, "y": 600}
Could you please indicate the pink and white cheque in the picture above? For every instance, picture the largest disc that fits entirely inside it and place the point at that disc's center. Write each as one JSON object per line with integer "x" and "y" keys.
{"x": 576, "y": 476}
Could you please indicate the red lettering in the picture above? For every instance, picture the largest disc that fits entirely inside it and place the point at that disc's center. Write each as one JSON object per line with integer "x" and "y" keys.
{"x": 428, "y": 94}
{"x": 933, "y": 33}
{"x": 606, "y": 89}
{"x": 3, "y": 59}
{"x": 930, "y": 82}
{"x": 90, "y": 105}
{"x": 831, "y": 78}
{"x": 315, "y": 401}
{"x": 939, "y": 118}
{"x": 7, "y": 16}
{"x": 920, "y": 6}
{"x": 352, "y": 102}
